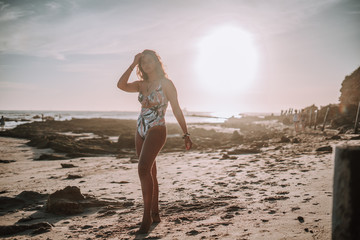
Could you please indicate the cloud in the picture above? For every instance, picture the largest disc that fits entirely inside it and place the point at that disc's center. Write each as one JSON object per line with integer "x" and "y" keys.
{"x": 63, "y": 28}
{"x": 9, "y": 14}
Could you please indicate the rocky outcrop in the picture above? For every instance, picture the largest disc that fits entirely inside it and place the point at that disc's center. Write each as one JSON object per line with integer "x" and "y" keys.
{"x": 90, "y": 137}
{"x": 349, "y": 99}
{"x": 350, "y": 89}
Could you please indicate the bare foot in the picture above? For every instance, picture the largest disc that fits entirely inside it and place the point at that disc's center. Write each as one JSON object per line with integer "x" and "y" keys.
{"x": 145, "y": 225}
{"x": 156, "y": 217}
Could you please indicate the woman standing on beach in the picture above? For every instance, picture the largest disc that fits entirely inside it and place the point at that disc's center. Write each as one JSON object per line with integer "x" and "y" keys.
{"x": 155, "y": 91}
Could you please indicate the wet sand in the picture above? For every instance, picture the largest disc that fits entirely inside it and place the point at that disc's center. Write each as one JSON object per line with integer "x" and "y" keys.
{"x": 282, "y": 192}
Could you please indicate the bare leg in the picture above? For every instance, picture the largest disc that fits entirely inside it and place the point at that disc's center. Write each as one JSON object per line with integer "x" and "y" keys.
{"x": 151, "y": 146}
{"x": 155, "y": 200}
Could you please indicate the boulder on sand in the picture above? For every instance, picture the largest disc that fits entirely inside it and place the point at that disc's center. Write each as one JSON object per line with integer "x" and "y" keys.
{"x": 69, "y": 201}
{"x": 65, "y": 201}
{"x": 324, "y": 149}
{"x": 284, "y": 139}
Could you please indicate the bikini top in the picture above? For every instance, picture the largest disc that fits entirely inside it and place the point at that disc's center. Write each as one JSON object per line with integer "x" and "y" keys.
{"x": 156, "y": 98}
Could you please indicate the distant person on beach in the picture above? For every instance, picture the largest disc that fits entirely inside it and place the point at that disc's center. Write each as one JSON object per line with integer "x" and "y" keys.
{"x": 2, "y": 122}
{"x": 296, "y": 120}
{"x": 155, "y": 91}
{"x": 303, "y": 119}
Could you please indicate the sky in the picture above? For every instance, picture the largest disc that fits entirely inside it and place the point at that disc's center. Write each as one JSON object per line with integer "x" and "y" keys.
{"x": 224, "y": 56}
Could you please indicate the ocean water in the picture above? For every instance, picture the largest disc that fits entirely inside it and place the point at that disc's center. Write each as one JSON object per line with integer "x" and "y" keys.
{"x": 14, "y": 118}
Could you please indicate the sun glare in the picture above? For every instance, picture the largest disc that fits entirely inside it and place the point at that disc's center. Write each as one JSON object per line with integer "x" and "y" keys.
{"x": 227, "y": 61}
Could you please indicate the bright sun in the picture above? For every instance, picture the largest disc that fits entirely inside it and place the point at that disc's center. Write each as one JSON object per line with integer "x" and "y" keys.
{"x": 227, "y": 61}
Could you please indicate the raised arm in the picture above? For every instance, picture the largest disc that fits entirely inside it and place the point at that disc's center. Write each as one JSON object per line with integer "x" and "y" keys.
{"x": 123, "y": 81}
{"x": 171, "y": 95}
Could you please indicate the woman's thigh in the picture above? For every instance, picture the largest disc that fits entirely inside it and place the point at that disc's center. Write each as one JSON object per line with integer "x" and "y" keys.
{"x": 151, "y": 146}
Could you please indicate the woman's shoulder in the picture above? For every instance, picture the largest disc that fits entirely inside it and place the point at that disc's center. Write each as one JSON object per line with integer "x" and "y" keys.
{"x": 166, "y": 82}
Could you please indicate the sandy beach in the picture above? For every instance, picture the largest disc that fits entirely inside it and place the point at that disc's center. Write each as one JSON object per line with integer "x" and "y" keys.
{"x": 283, "y": 190}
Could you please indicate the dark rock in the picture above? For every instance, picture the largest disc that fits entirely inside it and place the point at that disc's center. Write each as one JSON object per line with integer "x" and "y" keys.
{"x": 236, "y": 137}
{"x": 234, "y": 208}
{"x": 67, "y": 165}
{"x": 107, "y": 213}
{"x": 7, "y": 161}
{"x": 8, "y": 203}
{"x": 284, "y": 139}
{"x": 192, "y": 233}
{"x": 31, "y": 196}
{"x": 51, "y": 157}
{"x": 70, "y": 192}
{"x": 39, "y": 141}
{"x": 227, "y": 216}
{"x": 73, "y": 176}
{"x": 134, "y": 159}
{"x": 129, "y": 204}
{"x": 26, "y": 219}
{"x": 335, "y": 137}
{"x": 301, "y": 219}
{"x": 276, "y": 198}
{"x": 13, "y": 229}
{"x": 296, "y": 140}
{"x": 20, "y": 201}
{"x": 126, "y": 141}
{"x": 355, "y": 138}
{"x": 65, "y": 201}
{"x": 324, "y": 149}
{"x": 69, "y": 201}
{"x": 87, "y": 227}
{"x": 41, "y": 230}
{"x": 243, "y": 151}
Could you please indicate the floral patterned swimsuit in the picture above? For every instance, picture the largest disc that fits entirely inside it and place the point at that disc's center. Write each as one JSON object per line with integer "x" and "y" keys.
{"x": 153, "y": 109}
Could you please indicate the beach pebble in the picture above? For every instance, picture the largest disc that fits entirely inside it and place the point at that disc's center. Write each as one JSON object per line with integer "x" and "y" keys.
{"x": 355, "y": 138}
{"x": 7, "y": 161}
{"x": 192, "y": 233}
{"x": 284, "y": 139}
{"x": 324, "y": 149}
{"x": 73, "y": 176}
{"x": 67, "y": 165}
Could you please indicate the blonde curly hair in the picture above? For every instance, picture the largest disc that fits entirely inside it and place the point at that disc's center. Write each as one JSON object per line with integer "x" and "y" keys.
{"x": 159, "y": 66}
